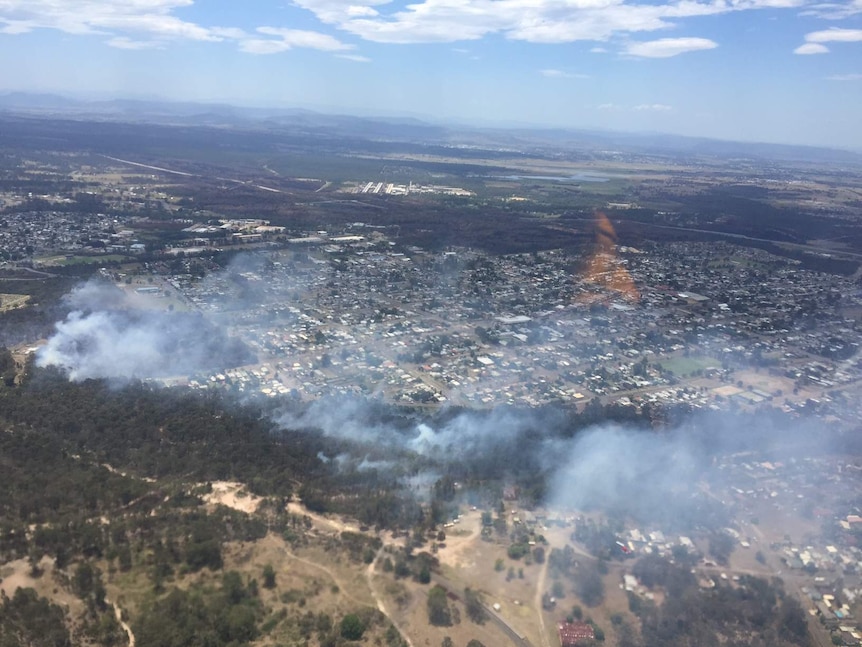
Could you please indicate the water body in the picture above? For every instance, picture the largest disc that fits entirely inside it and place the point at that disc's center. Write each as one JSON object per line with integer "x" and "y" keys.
{"x": 577, "y": 177}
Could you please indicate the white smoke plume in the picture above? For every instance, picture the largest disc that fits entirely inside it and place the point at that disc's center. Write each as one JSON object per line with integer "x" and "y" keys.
{"x": 627, "y": 470}
{"x": 670, "y": 476}
{"x": 105, "y": 336}
{"x": 365, "y": 422}
{"x": 611, "y": 467}
{"x": 673, "y": 475}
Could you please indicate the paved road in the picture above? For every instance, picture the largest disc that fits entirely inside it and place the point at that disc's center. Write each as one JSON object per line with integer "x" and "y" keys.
{"x": 161, "y": 169}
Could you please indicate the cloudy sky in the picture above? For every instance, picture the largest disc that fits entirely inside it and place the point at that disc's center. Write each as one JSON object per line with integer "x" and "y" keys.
{"x": 756, "y": 70}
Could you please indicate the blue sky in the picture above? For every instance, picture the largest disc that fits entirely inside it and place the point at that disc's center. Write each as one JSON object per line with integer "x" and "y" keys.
{"x": 756, "y": 70}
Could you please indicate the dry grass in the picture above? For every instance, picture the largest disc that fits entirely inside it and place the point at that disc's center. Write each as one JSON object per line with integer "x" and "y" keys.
{"x": 13, "y": 301}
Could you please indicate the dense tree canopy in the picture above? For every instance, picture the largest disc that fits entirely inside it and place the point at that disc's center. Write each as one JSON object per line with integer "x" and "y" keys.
{"x": 755, "y": 613}
{"x": 27, "y": 619}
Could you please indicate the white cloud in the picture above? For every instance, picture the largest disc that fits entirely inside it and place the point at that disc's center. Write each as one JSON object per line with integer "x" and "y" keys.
{"x": 598, "y": 50}
{"x": 667, "y": 47}
{"x": 560, "y": 74}
{"x": 834, "y": 11}
{"x": 14, "y": 27}
{"x": 122, "y": 42}
{"x": 231, "y": 33}
{"x": 354, "y": 57}
{"x": 144, "y": 24}
{"x": 157, "y": 24}
{"x": 844, "y": 77}
{"x": 811, "y": 48}
{"x": 339, "y": 11}
{"x": 263, "y": 46}
{"x": 290, "y": 38}
{"x": 814, "y": 40}
{"x": 356, "y": 11}
{"x": 653, "y": 107}
{"x": 131, "y": 23}
{"x": 153, "y": 18}
{"x": 412, "y": 27}
{"x": 538, "y": 21}
{"x": 835, "y": 35}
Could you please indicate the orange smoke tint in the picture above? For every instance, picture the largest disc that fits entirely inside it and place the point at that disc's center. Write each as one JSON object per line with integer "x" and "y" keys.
{"x": 604, "y": 268}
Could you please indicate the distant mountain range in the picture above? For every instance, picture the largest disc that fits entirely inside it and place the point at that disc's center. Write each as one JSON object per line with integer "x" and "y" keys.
{"x": 411, "y": 130}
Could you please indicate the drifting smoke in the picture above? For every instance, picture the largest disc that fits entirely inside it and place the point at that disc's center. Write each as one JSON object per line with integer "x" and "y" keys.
{"x": 114, "y": 334}
{"x": 667, "y": 476}
{"x": 95, "y": 296}
{"x": 638, "y": 472}
{"x": 352, "y": 419}
{"x": 105, "y": 336}
{"x": 466, "y": 435}
{"x": 672, "y": 476}
{"x": 606, "y": 466}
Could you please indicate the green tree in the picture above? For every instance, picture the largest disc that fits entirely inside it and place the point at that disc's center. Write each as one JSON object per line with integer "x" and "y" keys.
{"x": 240, "y": 625}
{"x": 558, "y": 590}
{"x": 475, "y": 609}
{"x": 352, "y": 627}
{"x": 793, "y": 618}
{"x": 590, "y": 587}
{"x": 517, "y": 551}
{"x": 324, "y": 622}
{"x": 124, "y": 557}
{"x": 206, "y": 553}
{"x": 268, "y": 577}
{"x": 27, "y": 619}
{"x": 232, "y": 587}
{"x": 424, "y": 576}
{"x": 438, "y": 608}
{"x": 83, "y": 580}
{"x": 721, "y": 545}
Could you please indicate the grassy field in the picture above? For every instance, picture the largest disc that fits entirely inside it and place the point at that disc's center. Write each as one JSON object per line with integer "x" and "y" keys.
{"x": 12, "y": 301}
{"x": 167, "y": 299}
{"x": 683, "y": 366}
{"x": 81, "y": 259}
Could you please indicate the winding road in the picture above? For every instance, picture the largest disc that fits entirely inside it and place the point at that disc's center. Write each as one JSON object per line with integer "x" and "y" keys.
{"x": 118, "y": 613}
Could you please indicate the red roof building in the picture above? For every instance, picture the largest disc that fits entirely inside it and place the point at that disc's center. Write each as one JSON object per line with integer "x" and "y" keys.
{"x": 573, "y": 634}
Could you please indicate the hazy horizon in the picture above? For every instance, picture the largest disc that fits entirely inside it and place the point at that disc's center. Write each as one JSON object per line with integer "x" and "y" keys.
{"x": 93, "y": 100}
{"x": 780, "y": 71}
